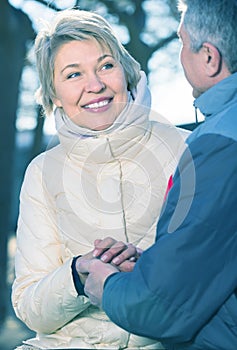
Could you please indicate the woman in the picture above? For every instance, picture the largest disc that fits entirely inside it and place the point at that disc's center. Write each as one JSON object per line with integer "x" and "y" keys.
{"x": 107, "y": 177}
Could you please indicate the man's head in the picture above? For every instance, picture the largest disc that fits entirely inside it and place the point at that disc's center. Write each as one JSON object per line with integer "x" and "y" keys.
{"x": 208, "y": 32}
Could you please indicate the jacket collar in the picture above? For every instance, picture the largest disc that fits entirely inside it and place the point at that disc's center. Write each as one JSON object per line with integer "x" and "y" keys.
{"x": 218, "y": 97}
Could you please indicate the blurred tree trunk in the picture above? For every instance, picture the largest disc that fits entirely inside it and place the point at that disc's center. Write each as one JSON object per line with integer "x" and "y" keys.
{"x": 15, "y": 30}
{"x": 37, "y": 146}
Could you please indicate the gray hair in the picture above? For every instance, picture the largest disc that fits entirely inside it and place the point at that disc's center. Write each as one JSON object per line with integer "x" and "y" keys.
{"x": 79, "y": 25}
{"x": 215, "y": 22}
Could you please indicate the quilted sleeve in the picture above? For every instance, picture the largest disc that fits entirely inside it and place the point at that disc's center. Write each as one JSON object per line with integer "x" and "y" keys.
{"x": 43, "y": 294}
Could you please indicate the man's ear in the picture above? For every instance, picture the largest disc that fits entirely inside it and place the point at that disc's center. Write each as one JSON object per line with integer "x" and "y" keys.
{"x": 213, "y": 60}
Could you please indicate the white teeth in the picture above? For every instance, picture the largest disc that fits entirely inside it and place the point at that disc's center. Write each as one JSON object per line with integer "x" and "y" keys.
{"x": 98, "y": 104}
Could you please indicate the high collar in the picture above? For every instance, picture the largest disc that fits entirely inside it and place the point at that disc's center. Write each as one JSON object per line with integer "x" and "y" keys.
{"x": 218, "y": 97}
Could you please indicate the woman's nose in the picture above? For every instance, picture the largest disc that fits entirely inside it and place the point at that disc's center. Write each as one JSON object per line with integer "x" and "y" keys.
{"x": 94, "y": 84}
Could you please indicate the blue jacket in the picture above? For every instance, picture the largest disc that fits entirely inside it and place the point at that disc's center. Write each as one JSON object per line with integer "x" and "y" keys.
{"x": 183, "y": 290}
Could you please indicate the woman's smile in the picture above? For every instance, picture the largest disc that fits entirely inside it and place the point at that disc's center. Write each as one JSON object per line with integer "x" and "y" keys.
{"x": 98, "y": 105}
{"x": 89, "y": 82}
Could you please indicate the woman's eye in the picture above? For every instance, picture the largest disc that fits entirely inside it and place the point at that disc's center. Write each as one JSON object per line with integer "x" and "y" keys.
{"x": 73, "y": 75}
{"x": 107, "y": 66}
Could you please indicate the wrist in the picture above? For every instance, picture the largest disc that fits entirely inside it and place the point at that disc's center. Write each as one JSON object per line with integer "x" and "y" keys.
{"x": 77, "y": 279}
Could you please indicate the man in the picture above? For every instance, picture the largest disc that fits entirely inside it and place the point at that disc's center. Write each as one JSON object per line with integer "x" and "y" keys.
{"x": 183, "y": 290}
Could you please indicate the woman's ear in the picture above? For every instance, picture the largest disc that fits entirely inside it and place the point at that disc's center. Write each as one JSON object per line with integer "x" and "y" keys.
{"x": 57, "y": 102}
{"x": 213, "y": 59}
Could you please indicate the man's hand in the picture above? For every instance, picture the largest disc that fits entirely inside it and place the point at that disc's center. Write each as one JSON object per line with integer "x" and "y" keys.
{"x": 97, "y": 272}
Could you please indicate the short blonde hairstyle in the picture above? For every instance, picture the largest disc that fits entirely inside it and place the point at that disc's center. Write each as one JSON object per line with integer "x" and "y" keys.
{"x": 79, "y": 25}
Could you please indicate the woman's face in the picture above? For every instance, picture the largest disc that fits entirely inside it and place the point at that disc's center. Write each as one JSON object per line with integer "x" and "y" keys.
{"x": 90, "y": 85}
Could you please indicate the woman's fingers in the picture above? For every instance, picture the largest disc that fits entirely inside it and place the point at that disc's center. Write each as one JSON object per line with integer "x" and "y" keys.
{"x": 102, "y": 245}
{"x": 113, "y": 251}
{"x": 126, "y": 266}
{"x": 128, "y": 252}
{"x": 117, "y": 252}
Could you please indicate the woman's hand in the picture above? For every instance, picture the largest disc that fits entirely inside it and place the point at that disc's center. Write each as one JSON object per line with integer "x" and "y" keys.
{"x": 122, "y": 255}
{"x": 88, "y": 256}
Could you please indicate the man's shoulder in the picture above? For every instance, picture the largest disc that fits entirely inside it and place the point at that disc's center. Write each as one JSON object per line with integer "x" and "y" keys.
{"x": 222, "y": 124}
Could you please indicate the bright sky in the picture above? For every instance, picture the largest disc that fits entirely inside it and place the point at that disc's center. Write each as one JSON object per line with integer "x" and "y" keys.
{"x": 172, "y": 96}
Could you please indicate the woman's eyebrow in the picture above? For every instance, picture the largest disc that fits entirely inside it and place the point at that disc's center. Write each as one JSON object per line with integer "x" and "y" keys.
{"x": 71, "y": 65}
{"x": 77, "y": 65}
{"x": 103, "y": 57}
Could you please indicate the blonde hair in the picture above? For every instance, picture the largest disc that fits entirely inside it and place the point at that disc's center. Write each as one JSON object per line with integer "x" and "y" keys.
{"x": 79, "y": 25}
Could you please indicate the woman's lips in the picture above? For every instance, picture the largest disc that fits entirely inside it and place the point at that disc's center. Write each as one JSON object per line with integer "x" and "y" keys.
{"x": 98, "y": 104}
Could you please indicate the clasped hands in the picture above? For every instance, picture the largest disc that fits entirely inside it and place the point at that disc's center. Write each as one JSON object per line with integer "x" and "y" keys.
{"x": 108, "y": 257}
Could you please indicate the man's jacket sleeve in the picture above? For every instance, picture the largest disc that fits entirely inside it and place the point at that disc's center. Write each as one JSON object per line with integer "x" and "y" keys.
{"x": 180, "y": 282}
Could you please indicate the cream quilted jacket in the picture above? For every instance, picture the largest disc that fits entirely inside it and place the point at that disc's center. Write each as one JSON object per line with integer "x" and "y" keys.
{"x": 107, "y": 184}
